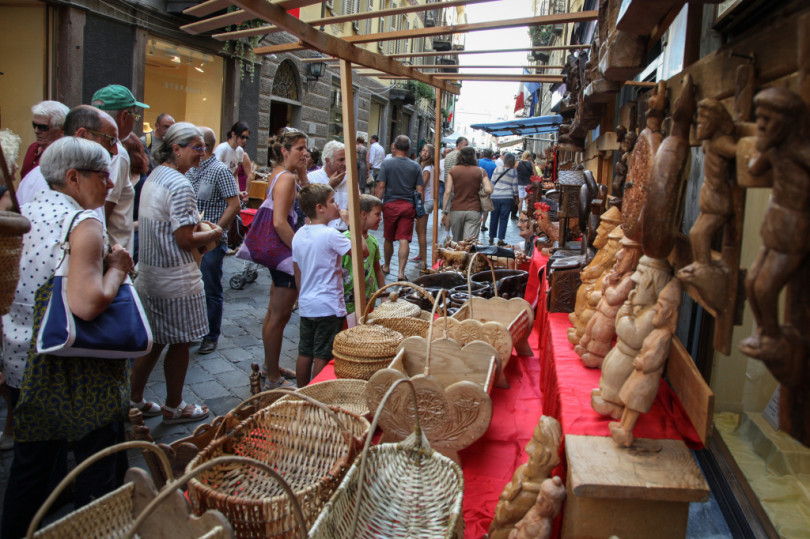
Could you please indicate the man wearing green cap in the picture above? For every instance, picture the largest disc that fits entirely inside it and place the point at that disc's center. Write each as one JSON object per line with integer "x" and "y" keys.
{"x": 119, "y": 103}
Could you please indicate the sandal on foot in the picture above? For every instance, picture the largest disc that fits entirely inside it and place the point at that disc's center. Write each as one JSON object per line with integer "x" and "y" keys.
{"x": 401, "y": 278}
{"x": 185, "y": 413}
{"x": 281, "y": 383}
{"x": 147, "y": 408}
{"x": 286, "y": 373}
{"x": 417, "y": 258}
{"x": 385, "y": 269}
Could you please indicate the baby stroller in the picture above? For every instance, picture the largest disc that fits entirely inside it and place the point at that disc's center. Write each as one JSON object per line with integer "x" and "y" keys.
{"x": 250, "y": 270}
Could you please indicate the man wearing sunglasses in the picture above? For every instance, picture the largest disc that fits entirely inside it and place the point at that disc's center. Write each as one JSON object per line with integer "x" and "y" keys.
{"x": 119, "y": 103}
{"x": 232, "y": 153}
{"x": 49, "y": 116}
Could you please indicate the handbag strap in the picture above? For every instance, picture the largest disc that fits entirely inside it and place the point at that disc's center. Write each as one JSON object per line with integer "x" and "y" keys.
{"x": 65, "y": 243}
{"x": 499, "y": 177}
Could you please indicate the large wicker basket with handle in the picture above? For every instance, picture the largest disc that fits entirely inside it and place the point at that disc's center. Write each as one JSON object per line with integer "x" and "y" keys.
{"x": 305, "y": 442}
{"x": 396, "y": 490}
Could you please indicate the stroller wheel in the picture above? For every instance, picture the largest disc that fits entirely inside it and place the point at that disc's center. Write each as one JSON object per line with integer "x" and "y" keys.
{"x": 252, "y": 276}
{"x": 237, "y": 282}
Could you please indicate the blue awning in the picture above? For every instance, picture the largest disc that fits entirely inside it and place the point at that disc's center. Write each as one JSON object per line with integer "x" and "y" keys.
{"x": 524, "y": 126}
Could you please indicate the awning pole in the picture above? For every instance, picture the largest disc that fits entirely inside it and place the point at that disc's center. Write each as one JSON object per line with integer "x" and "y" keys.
{"x": 436, "y": 158}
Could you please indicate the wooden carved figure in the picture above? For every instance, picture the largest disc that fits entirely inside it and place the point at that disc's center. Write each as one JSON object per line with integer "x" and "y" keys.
{"x": 640, "y": 389}
{"x": 640, "y": 164}
{"x": 595, "y": 271}
{"x": 634, "y": 322}
{"x": 716, "y": 129}
{"x": 538, "y": 522}
{"x": 664, "y": 200}
{"x": 783, "y": 140}
{"x": 522, "y": 492}
{"x": 627, "y": 140}
{"x": 598, "y": 336}
{"x": 547, "y": 227}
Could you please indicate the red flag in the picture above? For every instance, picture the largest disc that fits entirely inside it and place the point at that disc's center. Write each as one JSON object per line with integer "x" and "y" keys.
{"x": 519, "y": 102}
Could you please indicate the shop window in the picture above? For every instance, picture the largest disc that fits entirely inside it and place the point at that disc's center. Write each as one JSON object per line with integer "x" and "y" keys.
{"x": 183, "y": 82}
{"x": 335, "y": 114}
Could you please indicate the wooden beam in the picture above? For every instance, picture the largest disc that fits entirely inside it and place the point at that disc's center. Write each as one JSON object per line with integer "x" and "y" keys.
{"x": 339, "y": 19}
{"x": 563, "y": 18}
{"x": 355, "y": 226}
{"x": 483, "y": 77}
{"x": 456, "y": 53}
{"x": 323, "y": 42}
{"x": 456, "y": 66}
{"x": 212, "y": 6}
{"x": 437, "y": 151}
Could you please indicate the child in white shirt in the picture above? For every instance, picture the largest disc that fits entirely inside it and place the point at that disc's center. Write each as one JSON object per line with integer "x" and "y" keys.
{"x": 317, "y": 251}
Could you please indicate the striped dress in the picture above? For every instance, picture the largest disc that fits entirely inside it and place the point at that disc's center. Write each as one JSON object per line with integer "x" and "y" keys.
{"x": 169, "y": 282}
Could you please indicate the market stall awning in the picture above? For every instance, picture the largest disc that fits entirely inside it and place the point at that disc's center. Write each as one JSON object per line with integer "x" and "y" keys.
{"x": 525, "y": 126}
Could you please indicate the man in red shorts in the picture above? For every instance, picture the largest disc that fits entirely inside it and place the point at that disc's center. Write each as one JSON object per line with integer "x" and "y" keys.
{"x": 399, "y": 179}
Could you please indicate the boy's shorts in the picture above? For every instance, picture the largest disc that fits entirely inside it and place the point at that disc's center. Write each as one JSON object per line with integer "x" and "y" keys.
{"x": 318, "y": 334}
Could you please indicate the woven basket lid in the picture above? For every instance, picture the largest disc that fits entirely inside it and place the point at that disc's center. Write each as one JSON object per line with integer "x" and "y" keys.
{"x": 367, "y": 341}
{"x": 395, "y": 308}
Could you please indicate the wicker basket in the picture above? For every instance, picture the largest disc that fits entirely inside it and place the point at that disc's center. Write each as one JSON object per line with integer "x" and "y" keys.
{"x": 348, "y": 394}
{"x": 306, "y": 442}
{"x": 361, "y": 351}
{"x": 12, "y": 228}
{"x": 404, "y": 490}
{"x": 398, "y": 314}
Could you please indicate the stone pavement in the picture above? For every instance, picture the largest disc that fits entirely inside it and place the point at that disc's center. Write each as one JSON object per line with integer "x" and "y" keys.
{"x": 220, "y": 379}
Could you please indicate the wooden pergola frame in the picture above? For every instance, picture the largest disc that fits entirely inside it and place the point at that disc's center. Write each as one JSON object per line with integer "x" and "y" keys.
{"x": 347, "y": 53}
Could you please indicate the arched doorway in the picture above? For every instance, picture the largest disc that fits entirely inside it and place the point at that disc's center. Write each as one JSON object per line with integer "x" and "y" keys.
{"x": 285, "y": 101}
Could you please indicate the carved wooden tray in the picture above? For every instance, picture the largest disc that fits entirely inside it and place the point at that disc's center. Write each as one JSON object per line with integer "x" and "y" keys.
{"x": 514, "y": 315}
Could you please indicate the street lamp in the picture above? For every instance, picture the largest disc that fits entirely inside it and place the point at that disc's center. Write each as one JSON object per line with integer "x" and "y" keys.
{"x": 315, "y": 70}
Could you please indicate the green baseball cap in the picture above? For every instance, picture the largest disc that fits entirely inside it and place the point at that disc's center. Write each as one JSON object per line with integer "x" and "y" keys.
{"x": 115, "y": 97}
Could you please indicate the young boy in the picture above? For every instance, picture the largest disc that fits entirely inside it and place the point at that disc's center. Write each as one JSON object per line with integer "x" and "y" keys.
{"x": 317, "y": 251}
{"x": 370, "y": 217}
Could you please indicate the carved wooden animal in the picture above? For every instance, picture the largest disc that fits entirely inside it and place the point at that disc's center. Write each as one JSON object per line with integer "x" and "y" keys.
{"x": 640, "y": 164}
{"x": 660, "y": 220}
{"x": 457, "y": 260}
{"x": 522, "y": 492}
{"x": 640, "y": 389}
{"x": 548, "y": 227}
{"x": 538, "y": 522}
{"x": 634, "y": 322}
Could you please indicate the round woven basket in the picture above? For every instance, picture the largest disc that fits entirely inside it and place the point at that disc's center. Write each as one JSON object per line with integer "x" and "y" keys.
{"x": 358, "y": 368}
{"x": 367, "y": 341}
{"x": 349, "y": 395}
{"x": 308, "y": 444}
{"x": 396, "y": 307}
{"x": 409, "y": 327}
{"x": 12, "y": 228}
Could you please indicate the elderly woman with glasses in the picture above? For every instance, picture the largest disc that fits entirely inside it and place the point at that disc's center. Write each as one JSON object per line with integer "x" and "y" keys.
{"x": 64, "y": 401}
{"x": 169, "y": 280}
{"x": 49, "y": 117}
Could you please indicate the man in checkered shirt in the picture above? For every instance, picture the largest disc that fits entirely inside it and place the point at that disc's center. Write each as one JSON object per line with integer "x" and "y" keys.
{"x": 218, "y": 198}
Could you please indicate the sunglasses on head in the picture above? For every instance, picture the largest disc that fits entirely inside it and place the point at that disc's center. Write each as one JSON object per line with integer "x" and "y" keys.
{"x": 40, "y": 127}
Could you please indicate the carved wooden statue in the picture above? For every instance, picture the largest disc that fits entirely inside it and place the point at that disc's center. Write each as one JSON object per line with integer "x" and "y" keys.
{"x": 640, "y": 164}
{"x": 662, "y": 216}
{"x": 627, "y": 140}
{"x": 522, "y": 492}
{"x": 538, "y": 522}
{"x": 593, "y": 273}
{"x": 640, "y": 389}
{"x": 709, "y": 277}
{"x": 634, "y": 322}
{"x": 546, "y": 226}
{"x": 598, "y": 336}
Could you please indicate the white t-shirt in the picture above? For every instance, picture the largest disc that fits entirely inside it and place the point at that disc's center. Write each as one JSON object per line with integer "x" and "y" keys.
{"x": 317, "y": 250}
{"x": 232, "y": 157}
{"x": 341, "y": 195}
{"x": 441, "y": 171}
{"x": 499, "y": 162}
{"x": 429, "y": 183}
{"x": 119, "y": 225}
{"x": 375, "y": 155}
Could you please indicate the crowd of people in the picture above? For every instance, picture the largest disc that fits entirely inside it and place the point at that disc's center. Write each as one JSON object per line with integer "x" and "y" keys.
{"x": 158, "y": 208}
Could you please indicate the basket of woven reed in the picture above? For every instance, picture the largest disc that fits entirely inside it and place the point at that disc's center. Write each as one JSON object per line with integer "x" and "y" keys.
{"x": 398, "y": 314}
{"x": 347, "y": 394}
{"x": 134, "y": 506}
{"x": 309, "y": 444}
{"x": 396, "y": 490}
{"x": 361, "y": 351}
{"x": 12, "y": 228}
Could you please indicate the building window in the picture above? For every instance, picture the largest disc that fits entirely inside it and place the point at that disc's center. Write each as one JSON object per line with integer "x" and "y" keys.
{"x": 335, "y": 114}
{"x": 284, "y": 84}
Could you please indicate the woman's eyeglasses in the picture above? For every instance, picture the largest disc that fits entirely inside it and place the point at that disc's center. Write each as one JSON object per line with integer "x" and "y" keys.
{"x": 104, "y": 173}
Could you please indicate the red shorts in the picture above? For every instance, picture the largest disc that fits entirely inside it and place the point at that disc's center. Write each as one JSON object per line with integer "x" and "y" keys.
{"x": 398, "y": 218}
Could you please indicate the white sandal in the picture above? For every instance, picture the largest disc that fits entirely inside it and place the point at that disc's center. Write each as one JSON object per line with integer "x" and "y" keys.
{"x": 147, "y": 408}
{"x": 184, "y": 413}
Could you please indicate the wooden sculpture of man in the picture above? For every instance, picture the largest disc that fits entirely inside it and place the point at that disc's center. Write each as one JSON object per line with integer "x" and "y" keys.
{"x": 598, "y": 337}
{"x": 640, "y": 389}
{"x": 633, "y": 323}
{"x": 538, "y": 522}
{"x": 522, "y": 492}
{"x": 594, "y": 272}
{"x": 716, "y": 129}
{"x": 783, "y": 140}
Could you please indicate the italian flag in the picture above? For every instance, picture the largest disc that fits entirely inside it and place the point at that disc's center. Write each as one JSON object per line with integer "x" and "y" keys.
{"x": 452, "y": 111}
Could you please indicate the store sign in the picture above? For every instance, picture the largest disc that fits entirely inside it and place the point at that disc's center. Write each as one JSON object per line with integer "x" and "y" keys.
{"x": 182, "y": 88}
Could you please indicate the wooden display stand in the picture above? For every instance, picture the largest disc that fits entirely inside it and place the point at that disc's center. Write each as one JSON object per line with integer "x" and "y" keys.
{"x": 629, "y": 493}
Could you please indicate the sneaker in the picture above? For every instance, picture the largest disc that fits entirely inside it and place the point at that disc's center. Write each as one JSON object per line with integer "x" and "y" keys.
{"x": 207, "y": 346}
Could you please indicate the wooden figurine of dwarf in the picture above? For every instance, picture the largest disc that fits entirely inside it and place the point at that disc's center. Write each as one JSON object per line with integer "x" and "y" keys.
{"x": 716, "y": 129}
{"x": 640, "y": 389}
{"x": 598, "y": 337}
{"x": 521, "y": 493}
{"x": 594, "y": 272}
{"x": 633, "y": 323}
{"x": 538, "y": 522}
{"x": 626, "y": 139}
{"x": 783, "y": 140}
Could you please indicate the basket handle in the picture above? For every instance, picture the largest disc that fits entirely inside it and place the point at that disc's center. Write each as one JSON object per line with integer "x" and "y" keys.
{"x": 469, "y": 280}
{"x": 89, "y": 461}
{"x": 242, "y": 405}
{"x": 443, "y": 296}
{"x": 172, "y": 487}
{"x": 379, "y": 291}
{"x": 421, "y": 442}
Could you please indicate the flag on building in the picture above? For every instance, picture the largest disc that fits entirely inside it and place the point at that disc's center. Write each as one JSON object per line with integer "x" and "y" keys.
{"x": 452, "y": 111}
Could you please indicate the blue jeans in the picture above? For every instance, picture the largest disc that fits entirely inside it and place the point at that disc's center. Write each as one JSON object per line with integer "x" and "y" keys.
{"x": 499, "y": 217}
{"x": 211, "y": 269}
{"x": 441, "y": 194}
